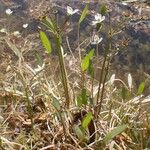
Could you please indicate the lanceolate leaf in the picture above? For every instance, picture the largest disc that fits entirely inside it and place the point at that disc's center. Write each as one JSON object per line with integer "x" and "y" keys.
{"x": 83, "y": 15}
{"x": 114, "y": 133}
{"x": 91, "y": 69}
{"x": 82, "y": 99}
{"x": 56, "y": 104}
{"x": 86, "y": 120}
{"x": 79, "y": 133}
{"x": 141, "y": 88}
{"x": 124, "y": 93}
{"x": 103, "y": 10}
{"x": 86, "y": 60}
{"x": 49, "y": 24}
{"x": 45, "y": 41}
{"x": 38, "y": 59}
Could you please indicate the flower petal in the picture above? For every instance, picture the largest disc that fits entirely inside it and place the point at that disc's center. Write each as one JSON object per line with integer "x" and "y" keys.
{"x": 25, "y": 25}
{"x": 70, "y": 11}
{"x": 9, "y": 11}
{"x": 98, "y": 16}
{"x": 96, "y": 40}
{"x": 75, "y": 11}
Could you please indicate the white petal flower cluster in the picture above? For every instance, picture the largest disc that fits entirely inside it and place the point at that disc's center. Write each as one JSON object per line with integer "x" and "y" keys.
{"x": 96, "y": 39}
{"x": 3, "y": 30}
{"x": 70, "y": 11}
{"x": 25, "y": 25}
{"x": 16, "y": 33}
{"x": 98, "y": 19}
{"x": 8, "y": 11}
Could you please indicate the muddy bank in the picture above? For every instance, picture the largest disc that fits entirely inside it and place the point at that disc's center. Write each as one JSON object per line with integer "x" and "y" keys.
{"x": 133, "y": 57}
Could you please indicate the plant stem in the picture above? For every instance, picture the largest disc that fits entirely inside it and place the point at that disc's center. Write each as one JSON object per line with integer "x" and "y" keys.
{"x": 103, "y": 75}
{"x": 29, "y": 107}
{"x": 99, "y": 86}
{"x": 63, "y": 70}
{"x": 103, "y": 88}
{"x": 78, "y": 36}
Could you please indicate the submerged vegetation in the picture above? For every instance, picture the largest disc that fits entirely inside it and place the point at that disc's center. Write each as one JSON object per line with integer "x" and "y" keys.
{"x": 71, "y": 100}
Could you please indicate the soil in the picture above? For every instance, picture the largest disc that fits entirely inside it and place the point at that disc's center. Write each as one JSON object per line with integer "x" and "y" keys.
{"x": 133, "y": 38}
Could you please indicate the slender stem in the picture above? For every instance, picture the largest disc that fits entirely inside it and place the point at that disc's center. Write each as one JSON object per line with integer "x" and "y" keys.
{"x": 104, "y": 73}
{"x": 29, "y": 107}
{"x": 92, "y": 87}
{"x": 103, "y": 88}
{"x": 82, "y": 79}
{"x": 99, "y": 86}
{"x": 105, "y": 76}
{"x": 78, "y": 36}
{"x": 97, "y": 53}
{"x": 101, "y": 78}
{"x": 64, "y": 24}
{"x": 63, "y": 70}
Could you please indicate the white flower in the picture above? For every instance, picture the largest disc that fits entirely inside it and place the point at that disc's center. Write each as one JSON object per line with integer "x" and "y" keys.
{"x": 9, "y": 11}
{"x": 16, "y": 33}
{"x": 70, "y": 11}
{"x": 98, "y": 19}
{"x": 95, "y": 39}
{"x": 25, "y": 25}
{"x": 3, "y": 30}
{"x": 130, "y": 81}
{"x": 39, "y": 68}
{"x": 112, "y": 79}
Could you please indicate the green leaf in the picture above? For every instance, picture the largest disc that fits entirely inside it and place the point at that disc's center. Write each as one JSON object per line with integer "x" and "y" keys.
{"x": 56, "y": 104}
{"x": 83, "y": 15}
{"x": 91, "y": 69}
{"x": 38, "y": 59}
{"x": 79, "y": 133}
{"x": 86, "y": 60}
{"x": 125, "y": 93}
{"x": 49, "y": 24}
{"x": 45, "y": 41}
{"x": 84, "y": 96}
{"x": 82, "y": 99}
{"x": 114, "y": 133}
{"x": 141, "y": 88}
{"x": 103, "y": 10}
{"x": 98, "y": 26}
{"x": 86, "y": 120}
{"x": 79, "y": 101}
